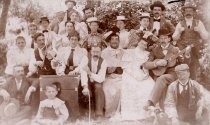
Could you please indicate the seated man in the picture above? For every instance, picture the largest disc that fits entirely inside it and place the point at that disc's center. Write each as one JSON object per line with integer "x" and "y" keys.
{"x": 42, "y": 63}
{"x": 185, "y": 99}
{"x": 17, "y": 90}
{"x": 112, "y": 84}
{"x": 163, "y": 59}
{"x": 96, "y": 72}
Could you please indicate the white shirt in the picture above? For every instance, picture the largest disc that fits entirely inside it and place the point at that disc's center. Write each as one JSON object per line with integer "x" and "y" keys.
{"x": 165, "y": 49}
{"x": 124, "y": 38}
{"x": 78, "y": 57}
{"x": 182, "y": 86}
{"x": 94, "y": 65}
{"x": 156, "y": 25}
{"x": 189, "y": 21}
{"x": 203, "y": 32}
{"x": 16, "y": 56}
{"x": 18, "y": 83}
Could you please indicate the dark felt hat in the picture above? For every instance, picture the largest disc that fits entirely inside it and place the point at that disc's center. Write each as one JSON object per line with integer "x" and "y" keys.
{"x": 157, "y": 4}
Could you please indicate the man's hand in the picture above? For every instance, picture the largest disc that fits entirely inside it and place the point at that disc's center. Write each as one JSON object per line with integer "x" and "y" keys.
{"x": 5, "y": 95}
{"x": 181, "y": 29}
{"x": 29, "y": 74}
{"x": 111, "y": 69}
{"x": 199, "y": 112}
{"x": 161, "y": 62}
{"x": 73, "y": 73}
{"x": 147, "y": 34}
{"x": 85, "y": 91}
{"x": 31, "y": 89}
{"x": 39, "y": 63}
{"x": 175, "y": 121}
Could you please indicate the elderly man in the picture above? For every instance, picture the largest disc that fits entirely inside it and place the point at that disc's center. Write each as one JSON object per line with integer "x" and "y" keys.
{"x": 190, "y": 32}
{"x": 18, "y": 88}
{"x": 185, "y": 99}
{"x": 96, "y": 72}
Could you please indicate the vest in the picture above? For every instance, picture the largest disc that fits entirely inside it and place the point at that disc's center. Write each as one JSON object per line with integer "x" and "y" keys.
{"x": 47, "y": 69}
{"x": 100, "y": 61}
{"x": 189, "y": 36}
{"x": 186, "y": 103}
{"x": 49, "y": 113}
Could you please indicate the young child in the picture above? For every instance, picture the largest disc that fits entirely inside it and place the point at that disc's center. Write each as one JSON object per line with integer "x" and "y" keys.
{"x": 52, "y": 111}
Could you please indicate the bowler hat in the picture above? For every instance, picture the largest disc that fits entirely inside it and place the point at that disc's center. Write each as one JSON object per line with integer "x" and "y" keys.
{"x": 164, "y": 32}
{"x": 157, "y": 4}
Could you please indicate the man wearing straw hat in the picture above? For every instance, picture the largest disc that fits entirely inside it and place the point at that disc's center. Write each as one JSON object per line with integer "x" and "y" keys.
{"x": 190, "y": 32}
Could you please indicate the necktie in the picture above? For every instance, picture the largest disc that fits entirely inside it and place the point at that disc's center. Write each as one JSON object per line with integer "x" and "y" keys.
{"x": 32, "y": 42}
{"x": 157, "y": 20}
{"x": 70, "y": 60}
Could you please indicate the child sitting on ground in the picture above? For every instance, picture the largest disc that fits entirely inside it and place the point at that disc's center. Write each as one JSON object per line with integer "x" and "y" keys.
{"x": 52, "y": 111}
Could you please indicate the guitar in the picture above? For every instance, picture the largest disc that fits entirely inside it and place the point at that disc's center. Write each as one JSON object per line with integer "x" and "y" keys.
{"x": 171, "y": 61}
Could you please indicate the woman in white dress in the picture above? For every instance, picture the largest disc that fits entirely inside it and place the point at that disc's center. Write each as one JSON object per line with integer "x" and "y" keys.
{"x": 137, "y": 84}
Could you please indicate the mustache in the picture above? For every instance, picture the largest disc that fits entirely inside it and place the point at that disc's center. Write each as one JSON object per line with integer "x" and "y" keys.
{"x": 96, "y": 56}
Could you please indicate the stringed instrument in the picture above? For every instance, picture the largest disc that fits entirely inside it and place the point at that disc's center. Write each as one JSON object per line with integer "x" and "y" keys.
{"x": 171, "y": 61}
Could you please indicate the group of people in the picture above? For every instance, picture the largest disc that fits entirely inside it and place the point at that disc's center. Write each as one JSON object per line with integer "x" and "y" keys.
{"x": 125, "y": 73}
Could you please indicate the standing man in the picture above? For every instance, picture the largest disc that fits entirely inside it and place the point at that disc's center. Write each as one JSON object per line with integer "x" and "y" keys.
{"x": 89, "y": 12}
{"x": 158, "y": 21}
{"x": 185, "y": 99}
{"x": 70, "y": 4}
{"x": 51, "y": 37}
{"x": 190, "y": 32}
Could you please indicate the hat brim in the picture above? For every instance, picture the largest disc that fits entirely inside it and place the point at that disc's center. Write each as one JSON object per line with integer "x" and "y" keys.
{"x": 44, "y": 20}
{"x": 184, "y": 7}
{"x": 145, "y": 17}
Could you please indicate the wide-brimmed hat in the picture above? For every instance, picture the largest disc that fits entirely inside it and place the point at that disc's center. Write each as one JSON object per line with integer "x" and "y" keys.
{"x": 70, "y": 1}
{"x": 9, "y": 108}
{"x": 189, "y": 4}
{"x": 145, "y": 15}
{"x": 157, "y": 4}
{"x": 121, "y": 18}
{"x": 44, "y": 19}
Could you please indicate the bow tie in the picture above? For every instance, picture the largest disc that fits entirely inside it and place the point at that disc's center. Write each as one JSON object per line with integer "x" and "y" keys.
{"x": 158, "y": 20}
{"x": 45, "y": 31}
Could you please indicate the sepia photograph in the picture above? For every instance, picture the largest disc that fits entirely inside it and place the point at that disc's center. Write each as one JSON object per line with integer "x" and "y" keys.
{"x": 104, "y": 62}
